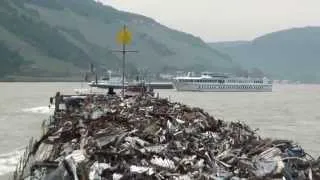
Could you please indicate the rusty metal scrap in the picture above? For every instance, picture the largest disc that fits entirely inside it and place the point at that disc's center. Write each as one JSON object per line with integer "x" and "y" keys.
{"x": 142, "y": 137}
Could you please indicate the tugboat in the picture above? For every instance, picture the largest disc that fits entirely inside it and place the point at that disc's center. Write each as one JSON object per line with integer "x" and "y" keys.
{"x": 113, "y": 80}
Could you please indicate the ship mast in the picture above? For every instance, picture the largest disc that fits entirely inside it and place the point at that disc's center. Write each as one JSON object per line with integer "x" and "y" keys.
{"x": 124, "y": 38}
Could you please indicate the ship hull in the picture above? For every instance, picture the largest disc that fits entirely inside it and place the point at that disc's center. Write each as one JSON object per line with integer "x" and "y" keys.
{"x": 221, "y": 88}
{"x": 154, "y": 85}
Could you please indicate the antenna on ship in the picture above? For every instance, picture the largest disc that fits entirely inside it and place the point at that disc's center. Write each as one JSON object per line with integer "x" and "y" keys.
{"x": 124, "y": 37}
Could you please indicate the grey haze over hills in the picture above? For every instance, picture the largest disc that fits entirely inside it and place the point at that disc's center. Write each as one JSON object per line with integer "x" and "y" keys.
{"x": 292, "y": 54}
{"x": 59, "y": 38}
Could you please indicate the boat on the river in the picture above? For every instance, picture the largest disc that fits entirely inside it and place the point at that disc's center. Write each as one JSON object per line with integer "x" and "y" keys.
{"x": 114, "y": 80}
{"x": 217, "y": 82}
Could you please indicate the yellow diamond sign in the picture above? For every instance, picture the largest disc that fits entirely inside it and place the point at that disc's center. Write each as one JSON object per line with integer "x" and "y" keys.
{"x": 124, "y": 36}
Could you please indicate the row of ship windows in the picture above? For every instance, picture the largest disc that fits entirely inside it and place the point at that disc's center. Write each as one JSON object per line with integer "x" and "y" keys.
{"x": 230, "y": 87}
{"x": 218, "y": 81}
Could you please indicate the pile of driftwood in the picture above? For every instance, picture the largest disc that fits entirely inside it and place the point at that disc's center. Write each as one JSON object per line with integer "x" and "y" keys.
{"x": 142, "y": 137}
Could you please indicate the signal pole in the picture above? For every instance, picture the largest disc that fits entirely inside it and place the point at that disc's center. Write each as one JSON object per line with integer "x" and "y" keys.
{"x": 124, "y": 38}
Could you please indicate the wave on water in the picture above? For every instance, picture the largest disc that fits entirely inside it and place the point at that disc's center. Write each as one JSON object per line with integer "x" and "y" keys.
{"x": 9, "y": 161}
{"x": 40, "y": 110}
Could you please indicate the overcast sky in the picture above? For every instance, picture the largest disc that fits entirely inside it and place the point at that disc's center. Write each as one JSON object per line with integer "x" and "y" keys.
{"x": 225, "y": 20}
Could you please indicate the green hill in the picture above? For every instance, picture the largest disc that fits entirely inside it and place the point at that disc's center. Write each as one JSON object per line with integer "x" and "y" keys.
{"x": 289, "y": 54}
{"x": 59, "y": 38}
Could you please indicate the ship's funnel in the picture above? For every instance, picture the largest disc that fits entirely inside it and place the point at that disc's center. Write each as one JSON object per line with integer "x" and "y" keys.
{"x": 91, "y": 68}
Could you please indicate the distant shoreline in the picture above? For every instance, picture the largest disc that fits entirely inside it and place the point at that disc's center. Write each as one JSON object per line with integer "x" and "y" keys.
{"x": 40, "y": 79}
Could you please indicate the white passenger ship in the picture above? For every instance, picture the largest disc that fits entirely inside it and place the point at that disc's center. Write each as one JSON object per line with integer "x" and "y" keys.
{"x": 220, "y": 82}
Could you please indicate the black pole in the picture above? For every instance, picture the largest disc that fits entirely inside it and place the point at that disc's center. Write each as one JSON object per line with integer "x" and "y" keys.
{"x": 123, "y": 62}
{"x": 124, "y": 51}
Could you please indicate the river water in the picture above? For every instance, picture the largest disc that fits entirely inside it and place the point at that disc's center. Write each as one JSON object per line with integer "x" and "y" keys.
{"x": 289, "y": 112}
